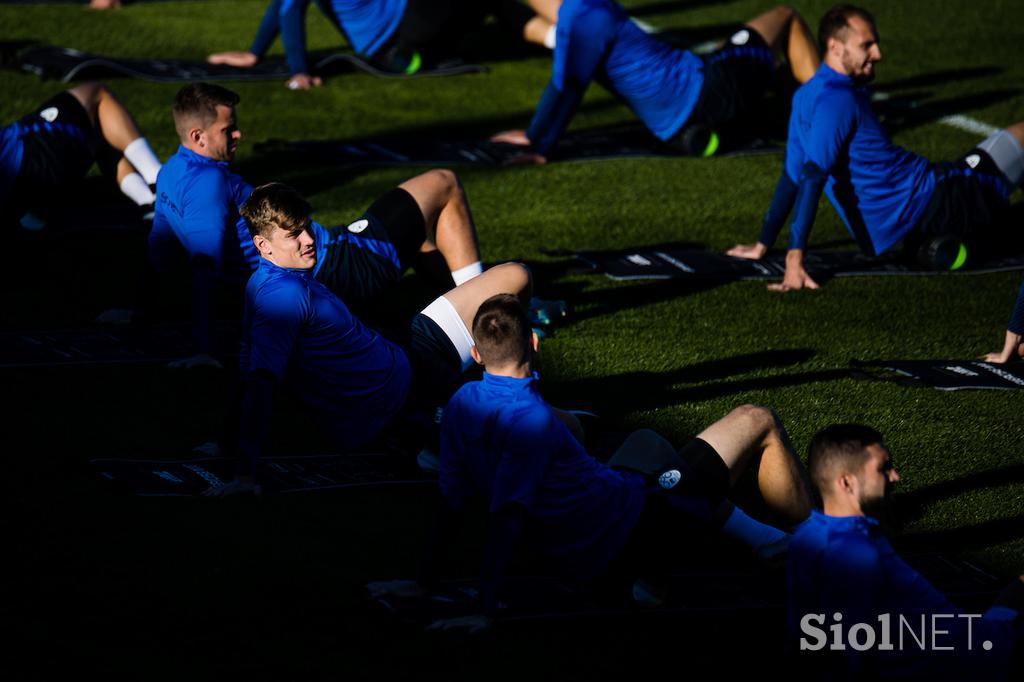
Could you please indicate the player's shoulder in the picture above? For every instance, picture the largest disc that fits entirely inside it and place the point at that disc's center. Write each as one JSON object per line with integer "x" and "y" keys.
{"x": 277, "y": 287}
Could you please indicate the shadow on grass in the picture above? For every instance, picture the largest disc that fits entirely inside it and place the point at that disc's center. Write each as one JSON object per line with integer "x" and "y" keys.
{"x": 913, "y": 505}
{"x": 908, "y": 111}
{"x": 977, "y": 536}
{"x": 934, "y": 78}
{"x": 651, "y": 390}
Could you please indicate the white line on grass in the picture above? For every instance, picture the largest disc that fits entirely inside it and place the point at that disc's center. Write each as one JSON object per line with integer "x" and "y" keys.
{"x": 959, "y": 121}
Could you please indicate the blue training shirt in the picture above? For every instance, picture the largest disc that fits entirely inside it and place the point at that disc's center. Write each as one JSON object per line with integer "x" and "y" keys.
{"x": 501, "y": 442}
{"x": 597, "y": 39}
{"x": 11, "y": 150}
{"x": 1017, "y": 318}
{"x": 197, "y": 207}
{"x": 880, "y": 190}
{"x": 366, "y": 25}
{"x": 845, "y": 565}
{"x": 354, "y": 380}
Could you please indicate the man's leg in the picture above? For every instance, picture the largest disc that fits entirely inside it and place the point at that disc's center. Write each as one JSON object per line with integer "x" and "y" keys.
{"x": 450, "y": 228}
{"x": 754, "y": 436}
{"x": 120, "y": 131}
{"x": 787, "y": 33}
{"x": 507, "y": 278}
{"x": 1007, "y": 151}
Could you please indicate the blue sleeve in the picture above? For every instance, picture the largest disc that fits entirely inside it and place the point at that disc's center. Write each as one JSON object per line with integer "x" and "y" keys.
{"x": 1017, "y": 318}
{"x": 504, "y": 527}
{"x": 289, "y": 18}
{"x": 528, "y": 448}
{"x": 206, "y": 214}
{"x": 778, "y": 211}
{"x": 162, "y": 243}
{"x": 833, "y": 121}
{"x": 553, "y": 112}
{"x": 584, "y": 34}
{"x": 278, "y": 313}
{"x": 254, "y": 420}
{"x": 453, "y": 480}
{"x": 270, "y": 26}
{"x": 809, "y": 188}
{"x": 835, "y": 116}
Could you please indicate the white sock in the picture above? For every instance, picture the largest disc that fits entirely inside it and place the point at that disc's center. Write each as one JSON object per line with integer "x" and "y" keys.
{"x": 750, "y": 532}
{"x": 143, "y": 159}
{"x": 136, "y": 189}
{"x": 549, "y": 37}
{"x": 467, "y": 273}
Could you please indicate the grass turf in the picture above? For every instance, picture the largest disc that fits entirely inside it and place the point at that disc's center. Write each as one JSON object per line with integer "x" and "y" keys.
{"x": 158, "y": 588}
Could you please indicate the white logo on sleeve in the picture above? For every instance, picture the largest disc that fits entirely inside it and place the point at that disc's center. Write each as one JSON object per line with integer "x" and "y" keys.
{"x": 740, "y": 37}
{"x": 49, "y": 114}
{"x": 358, "y": 226}
{"x": 669, "y": 479}
{"x": 973, "y": 160}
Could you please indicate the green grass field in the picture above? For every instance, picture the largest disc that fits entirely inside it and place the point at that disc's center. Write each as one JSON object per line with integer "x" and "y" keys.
{"x": 189, "y": 589}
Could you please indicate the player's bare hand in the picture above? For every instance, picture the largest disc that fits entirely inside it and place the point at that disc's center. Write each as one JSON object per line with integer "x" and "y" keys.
{"x": 1012, "y": 346}
{"x": 472, "y": 625}
{"x": 748, "y": 251}
{"x": 303, "y": 81}
{"x": 517, "y": 137}
{"x": 394, "y": 588}
{"x": 794, "y": 279}
{"x": 242, "y": 59}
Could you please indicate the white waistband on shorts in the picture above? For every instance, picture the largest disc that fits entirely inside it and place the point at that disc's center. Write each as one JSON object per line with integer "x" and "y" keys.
{"x": 448, "y": 319}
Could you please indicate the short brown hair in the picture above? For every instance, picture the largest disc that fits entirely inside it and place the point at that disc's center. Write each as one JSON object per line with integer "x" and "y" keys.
{"x": 197, "y": 103}
{"x": 835, "y": 22}
{"x": 839, "y": 445}
{"x": 275, "y": 205}
{"x": 502, "y": 331}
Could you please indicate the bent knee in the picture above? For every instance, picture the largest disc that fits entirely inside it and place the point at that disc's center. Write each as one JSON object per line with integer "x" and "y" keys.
{"x": 514, "y": 278}
{"x": 759, "y": 416}
{"x": 446, "y": 180}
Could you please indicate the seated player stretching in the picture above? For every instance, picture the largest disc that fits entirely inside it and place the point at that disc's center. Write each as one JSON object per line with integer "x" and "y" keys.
{"x": 843, "y": 572}
{"x": 942, "y": 212}
{"x": 502, "y": 443}
{"x": 297, "y": 332}
{"x": 52, "y": 148}
{"x": 425, "y": 221}
{"x": 681, "y": 97}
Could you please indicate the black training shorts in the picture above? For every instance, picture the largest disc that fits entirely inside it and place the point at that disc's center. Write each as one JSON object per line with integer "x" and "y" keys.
{"x": 736, "y": 77}
{"x": 970, "y": 199}
{"x": 369, "y": 255}
{"x": 60, "y": 144}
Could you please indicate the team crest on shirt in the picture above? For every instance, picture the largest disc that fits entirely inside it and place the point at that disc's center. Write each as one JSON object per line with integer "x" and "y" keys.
{"x": 358, "y": 226}
{"x": 49, "y": 114}
{"x": 669, "y": 479}
{"x": 740, "y": 37}
{"x": 973, "y": 160}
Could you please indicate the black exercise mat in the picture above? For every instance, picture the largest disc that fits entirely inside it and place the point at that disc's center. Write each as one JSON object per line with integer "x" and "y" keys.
{"x": 190, "y": 477}
{"x": 702, "y": 593}
{"x": 109, "y": 345}
{"x": 946, "y": 375}
{"x": 670, "y": 263}
{"x": 68, "y": 64}
{"x": 595, "y": 144}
